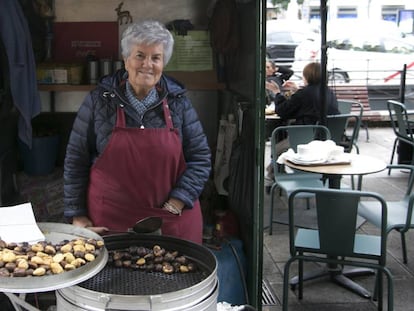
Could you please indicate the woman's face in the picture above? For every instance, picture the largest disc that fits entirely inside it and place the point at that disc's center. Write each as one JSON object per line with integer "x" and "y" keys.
{"x": 269, "y": 69}
{"x": 144, "y": 65}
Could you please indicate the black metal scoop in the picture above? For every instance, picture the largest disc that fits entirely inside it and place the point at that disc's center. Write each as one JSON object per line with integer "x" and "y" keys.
{"x": 146, "y": 225}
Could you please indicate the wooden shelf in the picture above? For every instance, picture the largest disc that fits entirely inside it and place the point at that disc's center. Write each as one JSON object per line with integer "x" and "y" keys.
{"x": 197, "y": 80}
{"x": 65, "y": 87}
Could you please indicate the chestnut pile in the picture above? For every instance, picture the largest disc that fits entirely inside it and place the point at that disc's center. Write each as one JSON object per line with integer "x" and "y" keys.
{"x": 155, "y": 259}
{"x": 44, "y": 258}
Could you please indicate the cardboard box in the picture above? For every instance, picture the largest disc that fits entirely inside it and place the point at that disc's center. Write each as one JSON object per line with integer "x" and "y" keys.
{"x": 54, "y": 73}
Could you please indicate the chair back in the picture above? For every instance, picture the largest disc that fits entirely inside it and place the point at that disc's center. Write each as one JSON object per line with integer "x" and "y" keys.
{"x": 344, "y": 106}
{"x": 338, "y": 126}
{"x": 337, "y": 212}
{"x": 399, "y": 120}
{"x": 296, "y": 134}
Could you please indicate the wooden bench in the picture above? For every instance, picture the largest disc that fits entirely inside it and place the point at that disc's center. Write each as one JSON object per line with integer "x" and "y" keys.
{"x": 357, "y": 93}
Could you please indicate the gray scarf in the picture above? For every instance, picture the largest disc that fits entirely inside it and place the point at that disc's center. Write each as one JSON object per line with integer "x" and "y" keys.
{"x": 141, "y": 105}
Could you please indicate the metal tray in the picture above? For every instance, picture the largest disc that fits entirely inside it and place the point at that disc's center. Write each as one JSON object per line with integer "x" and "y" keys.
{"x": 56, "y": 232}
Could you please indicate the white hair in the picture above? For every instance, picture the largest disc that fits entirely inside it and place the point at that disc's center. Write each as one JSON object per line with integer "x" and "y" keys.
{"x": 147, "y": 32}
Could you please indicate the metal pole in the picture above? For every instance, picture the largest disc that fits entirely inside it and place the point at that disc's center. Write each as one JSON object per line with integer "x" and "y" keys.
{"x": 402, "y": 84}
{"x": 324, "y": 105}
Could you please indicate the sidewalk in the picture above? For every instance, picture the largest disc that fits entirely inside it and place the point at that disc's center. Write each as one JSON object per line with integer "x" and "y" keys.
{"x": 320, "y": 294}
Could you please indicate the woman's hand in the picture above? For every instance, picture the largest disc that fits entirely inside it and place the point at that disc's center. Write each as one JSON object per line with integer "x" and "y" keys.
{"x": 272, "y": 86}
{"x": 174, "y": 206}
{"x": 291, "y": 86}
{"x": 85, "y": 222}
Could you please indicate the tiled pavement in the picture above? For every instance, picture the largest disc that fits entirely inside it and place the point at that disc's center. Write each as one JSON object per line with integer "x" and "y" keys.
{"x": 322, "y": 294}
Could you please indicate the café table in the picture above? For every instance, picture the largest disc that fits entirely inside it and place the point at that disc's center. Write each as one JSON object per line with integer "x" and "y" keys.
{"x": 359, "y": 165}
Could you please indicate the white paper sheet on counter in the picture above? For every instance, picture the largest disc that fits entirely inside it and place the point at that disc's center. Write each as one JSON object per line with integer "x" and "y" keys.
{"x": 18, "y": 224}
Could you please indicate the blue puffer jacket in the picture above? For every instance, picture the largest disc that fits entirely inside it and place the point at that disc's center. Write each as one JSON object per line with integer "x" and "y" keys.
{"x": 93, "y": 127}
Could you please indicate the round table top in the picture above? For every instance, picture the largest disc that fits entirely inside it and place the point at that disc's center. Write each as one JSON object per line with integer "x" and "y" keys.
{"x": 359, "y": 165}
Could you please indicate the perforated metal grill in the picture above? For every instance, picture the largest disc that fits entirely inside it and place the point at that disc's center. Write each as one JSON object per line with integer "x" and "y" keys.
{"x": 123, "y": 281}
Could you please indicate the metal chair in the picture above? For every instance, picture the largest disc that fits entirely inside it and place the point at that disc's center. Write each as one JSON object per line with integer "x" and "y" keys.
{"x": 400, "y": 213}
{"x": 336, "y": 241}
{"x": 288, "y": 182}
{"x": 402, "y": 127}
{"x": 338, "y": 125}
{"x": 353, "y": 107}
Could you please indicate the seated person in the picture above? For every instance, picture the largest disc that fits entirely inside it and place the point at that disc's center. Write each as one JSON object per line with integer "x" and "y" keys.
{"x": 277, "y": 74}
{"x": 304, "y": 105}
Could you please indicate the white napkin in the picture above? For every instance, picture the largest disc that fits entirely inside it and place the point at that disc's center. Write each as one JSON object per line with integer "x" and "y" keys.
{"x": 317, "y": 151}
{"x": 285, "y": 156}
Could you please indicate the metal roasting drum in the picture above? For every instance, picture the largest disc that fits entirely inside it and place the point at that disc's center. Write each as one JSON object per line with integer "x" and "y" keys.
{"x": 125, "y": 289}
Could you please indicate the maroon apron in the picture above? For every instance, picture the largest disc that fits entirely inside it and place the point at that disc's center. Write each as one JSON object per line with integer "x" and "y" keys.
{"x": 134, "y": 176}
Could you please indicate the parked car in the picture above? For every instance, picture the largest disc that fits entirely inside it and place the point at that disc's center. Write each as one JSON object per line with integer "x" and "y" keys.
{"x": 282, "y": 38}
{"x": 364, "y": 54}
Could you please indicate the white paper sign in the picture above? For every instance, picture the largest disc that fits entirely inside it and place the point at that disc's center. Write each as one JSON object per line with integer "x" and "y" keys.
{"x": 18, "y": 224}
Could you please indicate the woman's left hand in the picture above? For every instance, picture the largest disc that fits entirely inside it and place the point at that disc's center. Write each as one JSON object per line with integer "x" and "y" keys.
{"x": 174, "y": 206}
{"x": 272, "y": 86}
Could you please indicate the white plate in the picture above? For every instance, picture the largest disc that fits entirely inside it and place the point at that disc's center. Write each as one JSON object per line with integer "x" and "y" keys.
{"x": 295, "y": 159}
{"x": 301, "y": 160}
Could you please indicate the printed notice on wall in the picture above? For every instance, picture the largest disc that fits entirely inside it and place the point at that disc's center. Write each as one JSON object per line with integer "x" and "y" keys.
{"x": 192, "y": 52}
{"x": 75, "y": 41}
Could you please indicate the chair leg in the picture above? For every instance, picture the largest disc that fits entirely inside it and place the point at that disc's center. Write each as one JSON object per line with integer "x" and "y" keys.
{"x": 364, "y": 125}
{"x": 380, "y": 290}
{"x": 352, "y": 182}
{"x": 272, "y": 194}
{"x": 404, "y": 247}
{"x": 308, "y": 203}
{"x": 357, "y": 148}
{"x": 390, "y": 289}
{"x": 286, "y": 284}
{"x": 392, "y": 154}
{"x": 300, "y": 275}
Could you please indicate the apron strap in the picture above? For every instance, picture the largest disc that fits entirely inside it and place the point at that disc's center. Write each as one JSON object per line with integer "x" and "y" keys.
{"x": 167, "y": 114}
{"x": 120, "y": 117}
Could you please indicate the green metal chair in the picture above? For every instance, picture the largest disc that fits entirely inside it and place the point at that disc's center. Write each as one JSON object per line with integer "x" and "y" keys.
{"x": 284, "y": 182}
{"x": 400, "y": 213}
{"x": 336, "y": 241}
{"x": 403, "y": 128}
{"x": 346, "y": 106}
{"x": 339, "y": 126}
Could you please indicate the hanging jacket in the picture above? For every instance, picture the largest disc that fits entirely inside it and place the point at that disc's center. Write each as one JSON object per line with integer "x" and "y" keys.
{"x": 94, "y": 124}
{"x": 15, "y": 34}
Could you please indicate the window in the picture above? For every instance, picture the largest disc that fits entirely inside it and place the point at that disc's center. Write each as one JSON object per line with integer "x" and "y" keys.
{"x": 347, "y": 12}
{"x": 314, "y": 13}
{"x": 390, "y": 12}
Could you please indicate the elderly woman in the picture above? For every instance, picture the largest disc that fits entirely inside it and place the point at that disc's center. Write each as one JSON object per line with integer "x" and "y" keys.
{"x": 137, "y": 147}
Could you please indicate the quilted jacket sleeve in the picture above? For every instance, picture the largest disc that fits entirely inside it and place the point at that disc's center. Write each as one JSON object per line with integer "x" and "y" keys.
{"x": 78, "y": 161}
{"x": 196, "y": 152}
